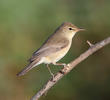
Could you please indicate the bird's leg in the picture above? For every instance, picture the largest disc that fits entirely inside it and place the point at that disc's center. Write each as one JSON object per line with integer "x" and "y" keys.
{"x": 50, "y": 71}
{"x": 60, "y": 64}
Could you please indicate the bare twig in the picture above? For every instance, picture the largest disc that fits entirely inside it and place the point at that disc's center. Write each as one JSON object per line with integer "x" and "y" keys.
{"x": 90, "y": 44}
{"x": 52, "y": 81}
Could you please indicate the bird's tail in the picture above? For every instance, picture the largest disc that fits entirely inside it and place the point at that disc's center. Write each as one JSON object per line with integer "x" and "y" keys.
{"x": 29, "y": 67}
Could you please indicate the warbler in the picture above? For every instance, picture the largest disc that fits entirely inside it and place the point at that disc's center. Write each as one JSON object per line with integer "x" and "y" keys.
{"x": 54, "y": 48}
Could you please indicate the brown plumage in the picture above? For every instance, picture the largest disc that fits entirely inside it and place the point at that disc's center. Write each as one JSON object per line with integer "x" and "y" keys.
{"x": 54, "y": 48}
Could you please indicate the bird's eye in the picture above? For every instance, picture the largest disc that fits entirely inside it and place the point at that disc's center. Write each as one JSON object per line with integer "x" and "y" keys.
{"x": 70, "y": 29}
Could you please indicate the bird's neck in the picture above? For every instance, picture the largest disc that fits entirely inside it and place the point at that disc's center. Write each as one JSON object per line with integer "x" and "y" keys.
{"x": 70, "y": 36}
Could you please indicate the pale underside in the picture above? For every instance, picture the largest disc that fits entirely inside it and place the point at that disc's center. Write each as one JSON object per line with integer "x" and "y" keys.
{"x": 51, "y": 52}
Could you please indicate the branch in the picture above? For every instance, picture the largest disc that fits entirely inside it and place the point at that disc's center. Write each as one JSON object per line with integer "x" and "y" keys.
{"x": 52, "y": 81}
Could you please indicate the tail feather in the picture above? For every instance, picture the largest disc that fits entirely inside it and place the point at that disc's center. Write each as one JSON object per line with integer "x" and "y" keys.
{"x": 29, "y": 67}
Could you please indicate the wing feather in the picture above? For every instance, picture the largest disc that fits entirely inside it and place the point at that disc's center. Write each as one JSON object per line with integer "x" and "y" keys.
{"x": 49, "y": 48}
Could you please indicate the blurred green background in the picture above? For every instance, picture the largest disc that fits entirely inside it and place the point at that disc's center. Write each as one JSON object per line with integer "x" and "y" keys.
{"x": 25, "y": 25}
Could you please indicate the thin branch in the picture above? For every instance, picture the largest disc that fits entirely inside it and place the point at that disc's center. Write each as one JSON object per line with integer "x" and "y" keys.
{"x": 52, "y": 81}
{"x": 89, "y": 43}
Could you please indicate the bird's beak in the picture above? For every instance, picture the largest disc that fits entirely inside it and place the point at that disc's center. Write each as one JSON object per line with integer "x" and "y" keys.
{"x": 81, "y": 29}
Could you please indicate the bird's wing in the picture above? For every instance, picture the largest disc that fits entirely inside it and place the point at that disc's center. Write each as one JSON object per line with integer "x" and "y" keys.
{"x": 47, "y": 49}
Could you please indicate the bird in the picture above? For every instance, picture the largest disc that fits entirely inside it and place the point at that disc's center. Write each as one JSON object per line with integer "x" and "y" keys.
{"x": 54, "y": 48}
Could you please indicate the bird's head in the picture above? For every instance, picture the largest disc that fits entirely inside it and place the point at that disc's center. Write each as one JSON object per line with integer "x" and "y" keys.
{"x": 69, "y": 30}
